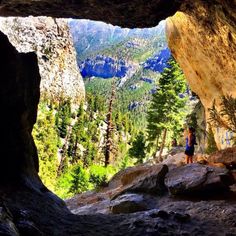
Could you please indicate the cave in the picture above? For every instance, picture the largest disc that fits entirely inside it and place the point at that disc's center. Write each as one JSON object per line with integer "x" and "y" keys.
{"x": 200, "y": 32}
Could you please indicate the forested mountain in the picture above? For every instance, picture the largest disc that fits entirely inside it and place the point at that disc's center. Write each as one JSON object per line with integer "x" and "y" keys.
{"x": 91, "y": 37}
{"x": 132, "y": 58}
{"x": 82, "y": 145}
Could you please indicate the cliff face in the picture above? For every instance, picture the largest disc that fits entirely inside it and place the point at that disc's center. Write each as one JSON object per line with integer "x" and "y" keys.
{"x": 19, "y": 97}
{"x": 104, "y": 67}
{"x": 202, "y": 38}
{"x": 50, "y": 39}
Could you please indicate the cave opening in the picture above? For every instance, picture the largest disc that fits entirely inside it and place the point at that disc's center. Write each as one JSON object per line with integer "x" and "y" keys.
{"x": 19, "y": 99}
{"x": 120, "y": 69}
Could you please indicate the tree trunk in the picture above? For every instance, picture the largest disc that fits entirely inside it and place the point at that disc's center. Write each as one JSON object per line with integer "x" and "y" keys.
{"x": 157, "y": 147}
{"x": 63, "y": 161}
{"x": 108, "y": 146}
{"x": 163, "y": 143}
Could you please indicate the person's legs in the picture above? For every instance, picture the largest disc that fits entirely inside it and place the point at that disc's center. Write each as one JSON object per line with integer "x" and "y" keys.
{"x": 191, "y": 159}
{"x": 187, "y": 159}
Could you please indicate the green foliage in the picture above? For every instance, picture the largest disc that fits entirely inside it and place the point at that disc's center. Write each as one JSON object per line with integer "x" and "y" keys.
{"x": 167, "y": 109}
{"x": 226, "y": 117}
{"x": 80, "y": 180}
{"x": 98, "y": 176}
{"x": 63, "y": 117}
{"x": 63, "y": 184}
{"x": 211, "y": 143}
{"x": 45, "y": 134}
{"x": 138, "y": 148}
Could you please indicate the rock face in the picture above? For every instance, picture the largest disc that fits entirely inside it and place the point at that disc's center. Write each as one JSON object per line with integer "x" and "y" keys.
{"x": 128, "y": 203}
{"x": 103, "y": 67}
{"x": 50, "y": 39}
{"x": 165, "y": 215}
{"x": 159, "y": 61}
{"x": 226, "y": 156}
{"x": 19, "y": 97}
{"x": 7, "y": 227}
{"x": 197, "y": 179}
{"x": 202, "y": 38}
{"x": 133, "y": 14}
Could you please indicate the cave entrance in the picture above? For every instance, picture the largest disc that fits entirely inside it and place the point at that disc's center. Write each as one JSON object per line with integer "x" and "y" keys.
{"x": 87, "y": 122}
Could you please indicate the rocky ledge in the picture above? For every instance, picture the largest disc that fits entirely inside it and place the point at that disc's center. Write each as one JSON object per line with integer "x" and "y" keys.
{"x": 193, "y": 199}
{"x": 159, "y": 199}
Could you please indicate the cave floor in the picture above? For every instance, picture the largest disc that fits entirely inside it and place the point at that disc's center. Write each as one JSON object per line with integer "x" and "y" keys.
{"x": 45, "y": 214}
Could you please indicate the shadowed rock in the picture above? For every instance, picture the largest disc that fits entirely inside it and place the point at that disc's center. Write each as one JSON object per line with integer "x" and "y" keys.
{"x": 196, "y": 179}
{"x": 128, "y": 203}
{"x": 137, "y": 13}
{"x": 152, "y": 183}
{"x": 226, "y": 156}
{"x": 19, "y": 97}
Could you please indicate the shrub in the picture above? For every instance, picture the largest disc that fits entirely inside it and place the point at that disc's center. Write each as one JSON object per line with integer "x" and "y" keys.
{"x": 98, "y": 176}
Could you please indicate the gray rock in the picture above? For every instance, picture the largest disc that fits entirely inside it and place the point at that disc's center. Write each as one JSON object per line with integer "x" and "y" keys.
{"x": 152, "y": 183}
{"x": 128, "y": 203}
{"x": 196, "y": 178}
{"x": 7, "y": 227}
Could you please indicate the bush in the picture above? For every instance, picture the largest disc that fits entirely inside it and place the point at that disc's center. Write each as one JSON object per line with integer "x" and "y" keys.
{"x": 98, "y": 176}
{"x": 80, "y": 180}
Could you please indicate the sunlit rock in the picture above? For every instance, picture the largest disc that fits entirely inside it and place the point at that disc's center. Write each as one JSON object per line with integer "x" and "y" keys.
{"x": 50, "y": 39}
{"x": 202, "y": 38}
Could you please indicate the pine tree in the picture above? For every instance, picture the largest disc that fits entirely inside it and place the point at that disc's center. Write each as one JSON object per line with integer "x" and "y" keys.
{"x": 138, "y": 148}
{"x": 45, "y": 136}
{"x": 166, "y": 112}
{"x": 108, "y": 144}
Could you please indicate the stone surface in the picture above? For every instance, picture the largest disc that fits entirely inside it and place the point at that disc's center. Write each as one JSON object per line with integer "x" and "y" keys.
{"x": 52, "y": 42}
{"x": 152, "y": 182}
{"x": 137, "y": 13}
{"x": 226, "y": 156}
{"x": 197, "y": 179}
{"x": 202, "y": 38}
{"x": 7, "y": 227}
{"x": 210, "y": 214}
{"x": 19, "y": 97}
{"x": 128, "y": 203}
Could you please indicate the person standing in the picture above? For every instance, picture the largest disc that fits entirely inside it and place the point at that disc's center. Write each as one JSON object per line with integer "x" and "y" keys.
{"x": 190, "y": 142}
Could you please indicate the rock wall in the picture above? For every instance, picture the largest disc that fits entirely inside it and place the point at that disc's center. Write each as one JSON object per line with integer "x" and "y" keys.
{"x": 19, "y": 97}
{"x": 202, "y": 38}
{"x": 50, "y": 39}
{"x": 131, "y": 14}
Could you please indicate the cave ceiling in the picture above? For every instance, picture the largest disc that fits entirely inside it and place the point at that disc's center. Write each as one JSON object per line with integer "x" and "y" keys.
{"x": 126, "y": 13}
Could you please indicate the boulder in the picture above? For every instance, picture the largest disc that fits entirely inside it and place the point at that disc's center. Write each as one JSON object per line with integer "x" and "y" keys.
{"x": 175, "y": 159}
{"x": 196, "y": 178}
{"x": 226, "y": 156}
{"x": 128, "y": 203}
{"x": 152, "y": 182}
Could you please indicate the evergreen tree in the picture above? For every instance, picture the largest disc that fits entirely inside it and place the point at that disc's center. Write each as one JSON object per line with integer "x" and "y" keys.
{"x": 45, "y": 136}
{"x": 109, "y": 141}
{"x": 63, "y": 118}
{"x": 138, "y": 148}
{"x": 166, "y": 112}
{"x": 80, "y": 180}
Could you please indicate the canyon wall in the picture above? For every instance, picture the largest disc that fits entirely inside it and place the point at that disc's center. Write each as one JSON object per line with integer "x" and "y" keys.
{"x": 202, "y": 38}
{"x": 19, "y": 97}
{"x": 50, "y": 39}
